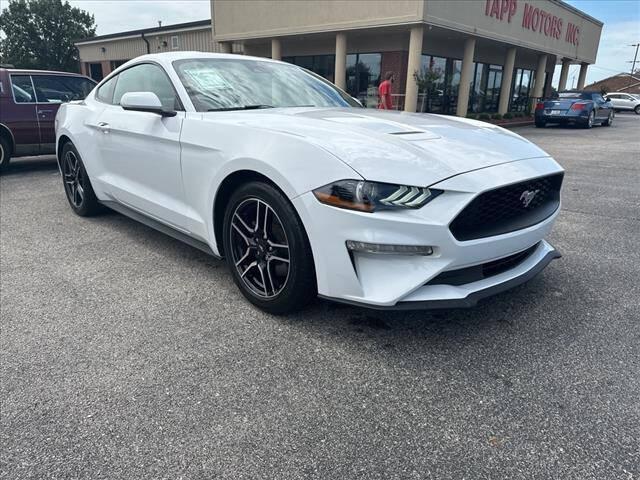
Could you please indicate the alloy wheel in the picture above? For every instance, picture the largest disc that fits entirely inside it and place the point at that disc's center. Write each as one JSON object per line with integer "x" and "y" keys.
{"x": 260, "y": 249}
{"x": 73, "y": 179}
{"x": 590, "y": 120}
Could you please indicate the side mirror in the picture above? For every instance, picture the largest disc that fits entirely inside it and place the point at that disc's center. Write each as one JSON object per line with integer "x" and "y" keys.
{"x": 144, "y": 102}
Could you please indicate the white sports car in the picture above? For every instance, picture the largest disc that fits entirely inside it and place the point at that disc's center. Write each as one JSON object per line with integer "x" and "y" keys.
{"x": 304, "y": 192}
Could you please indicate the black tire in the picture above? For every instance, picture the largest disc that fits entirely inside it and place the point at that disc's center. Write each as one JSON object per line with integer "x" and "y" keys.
{"x": 609, "y": 120}
{"x": 77, "y": 185}
{"x": 282, "y": 280}
{"x": 637, "y": 110}
{"x": 540, "y": 124}
{"x": 5, "y": 153}
{"x": 589, "y": 122}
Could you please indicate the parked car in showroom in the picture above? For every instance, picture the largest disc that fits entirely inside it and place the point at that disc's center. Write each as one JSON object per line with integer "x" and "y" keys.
{"x": 29, "y": 101}
{"x": 625, "y": 101}
{"x": 575, "y": 107}
{"x": 304, "y": 192}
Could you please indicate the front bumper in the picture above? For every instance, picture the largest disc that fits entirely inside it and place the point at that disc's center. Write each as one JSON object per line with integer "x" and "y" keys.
{"x": 433, "y": 297}
{"x": 400, "y": 281}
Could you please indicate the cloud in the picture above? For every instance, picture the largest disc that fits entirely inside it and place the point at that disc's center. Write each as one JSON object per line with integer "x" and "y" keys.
{"x": 113, "y": 16}
{"x": 613, "y": 53}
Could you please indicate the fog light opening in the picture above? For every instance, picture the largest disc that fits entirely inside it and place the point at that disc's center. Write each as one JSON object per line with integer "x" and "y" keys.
{"x": 385, "y": 249}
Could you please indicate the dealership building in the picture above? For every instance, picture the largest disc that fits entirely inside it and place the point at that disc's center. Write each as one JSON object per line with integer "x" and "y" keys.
{"x": 450, "y": 57}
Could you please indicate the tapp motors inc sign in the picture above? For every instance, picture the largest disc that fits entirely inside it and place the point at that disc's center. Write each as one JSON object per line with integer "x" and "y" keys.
{"x": 533, "y": 18}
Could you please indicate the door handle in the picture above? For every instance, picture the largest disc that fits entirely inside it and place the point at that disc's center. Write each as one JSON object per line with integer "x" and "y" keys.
{"x": 104, "y": 126}
{"x": 44, "y": 112}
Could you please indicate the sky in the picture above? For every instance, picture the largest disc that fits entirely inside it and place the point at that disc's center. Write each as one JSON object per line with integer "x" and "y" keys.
{"x": 621, "y": 20}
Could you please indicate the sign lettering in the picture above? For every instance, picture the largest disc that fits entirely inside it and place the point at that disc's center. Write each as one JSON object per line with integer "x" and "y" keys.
{"x": 534, "y": 18}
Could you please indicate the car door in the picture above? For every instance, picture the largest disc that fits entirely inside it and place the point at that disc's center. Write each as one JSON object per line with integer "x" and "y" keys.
{"x": 51, "y": 91}
{"x": 602, "y": 107}
{"x": 140, "y": 151}
{"x": 22, "y": 119}
{"x": 628, "y": 101}
{"x": 616, "y": 100}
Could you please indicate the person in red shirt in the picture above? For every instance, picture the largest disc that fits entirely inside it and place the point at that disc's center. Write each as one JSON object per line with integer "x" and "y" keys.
{"x": 384, "y": 92}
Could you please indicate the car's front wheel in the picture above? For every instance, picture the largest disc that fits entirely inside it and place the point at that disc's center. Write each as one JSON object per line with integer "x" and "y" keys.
{"x": 637, "y": 110}
{"x": 609, "y": 120}
{"x": 540, "y": 123}
{"x": 267, "y": 249}
{"x": 77, "y": 185}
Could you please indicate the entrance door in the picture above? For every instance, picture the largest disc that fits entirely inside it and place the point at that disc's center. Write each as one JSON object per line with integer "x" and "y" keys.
{"x": 95, "y": 71}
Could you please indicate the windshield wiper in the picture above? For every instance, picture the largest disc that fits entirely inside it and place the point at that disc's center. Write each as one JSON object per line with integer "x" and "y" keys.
{"x": 240, "y": 107}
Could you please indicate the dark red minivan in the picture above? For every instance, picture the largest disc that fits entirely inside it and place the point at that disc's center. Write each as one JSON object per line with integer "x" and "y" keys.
{"x": 29, "y": 101}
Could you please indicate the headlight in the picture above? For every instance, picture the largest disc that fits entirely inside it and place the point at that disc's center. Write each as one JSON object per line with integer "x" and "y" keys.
{"x": 372, "y": 196}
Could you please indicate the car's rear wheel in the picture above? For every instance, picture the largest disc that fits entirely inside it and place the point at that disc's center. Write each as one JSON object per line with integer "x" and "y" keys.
{"x": 609, "y": 120}
{"x": 589, "y": 122}
{"x": 77, "y": 185}
{"x": 5, "y": 153}
{"x": 267, "y": 249}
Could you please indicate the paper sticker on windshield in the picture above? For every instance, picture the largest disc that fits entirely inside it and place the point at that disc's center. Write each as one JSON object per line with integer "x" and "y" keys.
{"x": 208, "y": 79}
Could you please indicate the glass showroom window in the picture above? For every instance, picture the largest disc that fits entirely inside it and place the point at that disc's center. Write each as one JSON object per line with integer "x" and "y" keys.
{"x": 522, "y": 83}
{"x": 485, "y": 90}
{"x": 363, "y": 77}
{"x": 439, "y": 82}
{"x": 323, "y": 65}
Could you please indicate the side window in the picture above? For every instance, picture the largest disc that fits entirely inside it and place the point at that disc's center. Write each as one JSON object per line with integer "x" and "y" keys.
{"x": 60, "y": 88}
{"x": 105, "y": 92}
{"x": 147, "y": 78}
{"x": 22, "y": 89}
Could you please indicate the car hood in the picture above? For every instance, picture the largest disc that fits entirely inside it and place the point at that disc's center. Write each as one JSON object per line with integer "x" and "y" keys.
{"x": 394, "y": 147}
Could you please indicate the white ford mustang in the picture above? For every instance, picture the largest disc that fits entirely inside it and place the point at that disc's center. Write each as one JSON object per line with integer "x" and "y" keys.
{"x": 304, "y": 192}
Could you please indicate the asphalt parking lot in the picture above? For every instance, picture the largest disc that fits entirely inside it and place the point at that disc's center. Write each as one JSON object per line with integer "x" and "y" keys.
{"x": 126, "y": 354}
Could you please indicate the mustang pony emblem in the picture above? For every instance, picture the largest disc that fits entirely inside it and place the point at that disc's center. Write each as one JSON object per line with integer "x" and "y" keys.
{"x": 528, "y": 196}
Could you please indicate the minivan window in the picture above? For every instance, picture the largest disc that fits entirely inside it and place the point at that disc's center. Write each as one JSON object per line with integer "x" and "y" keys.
{"x": 22, "y": 89}
{"x": 105, "y": 92}
{"x": 147, "y": 77}
{"x": 61, "y": 88}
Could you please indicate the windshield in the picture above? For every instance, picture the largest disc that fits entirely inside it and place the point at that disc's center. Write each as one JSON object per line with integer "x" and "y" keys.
{"x": 217, "y": 84}
{"x": 581, "y": 95}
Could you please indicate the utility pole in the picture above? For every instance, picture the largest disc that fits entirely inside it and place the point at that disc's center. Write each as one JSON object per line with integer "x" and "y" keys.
{"x": 633, "y": 67}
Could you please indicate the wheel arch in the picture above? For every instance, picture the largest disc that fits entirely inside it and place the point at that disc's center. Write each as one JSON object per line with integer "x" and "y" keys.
{"x": 62, "y": 141}
{"x": 223, "y": 194}
{"x": 5, "y": 132}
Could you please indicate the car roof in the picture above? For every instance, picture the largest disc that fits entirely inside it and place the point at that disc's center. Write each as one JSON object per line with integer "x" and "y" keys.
{"x": 166, "y": 58}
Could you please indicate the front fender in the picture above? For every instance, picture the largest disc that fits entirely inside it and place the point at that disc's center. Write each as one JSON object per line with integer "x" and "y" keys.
{"x": 211, "y": 151}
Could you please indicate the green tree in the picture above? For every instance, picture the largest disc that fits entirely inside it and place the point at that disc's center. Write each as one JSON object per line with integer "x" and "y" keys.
{"x": 40, "y": 33}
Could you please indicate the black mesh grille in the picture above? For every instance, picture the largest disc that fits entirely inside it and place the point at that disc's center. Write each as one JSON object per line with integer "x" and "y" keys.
{"x": 506, "y": 209}
{"x": 463, "y": 276}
